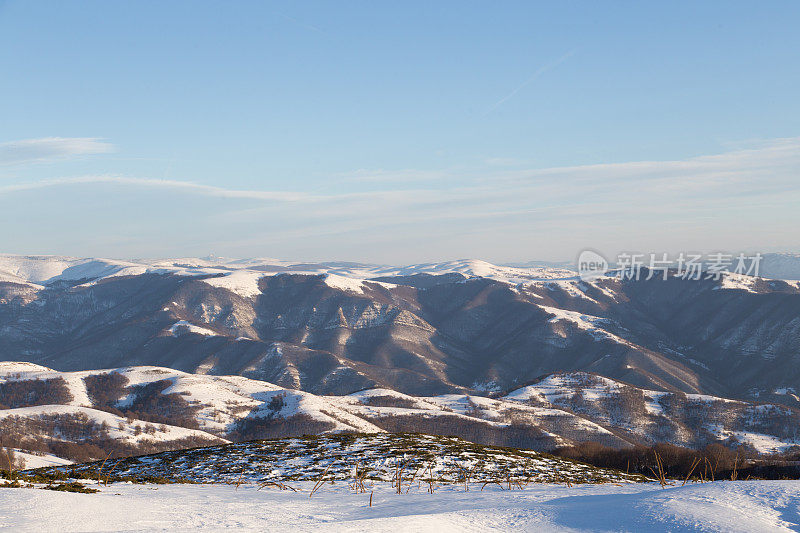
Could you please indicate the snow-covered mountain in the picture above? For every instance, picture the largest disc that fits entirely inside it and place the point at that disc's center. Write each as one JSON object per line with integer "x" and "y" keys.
{"x": 144, "y": 409}
{"x": 455, "y": 327}
{"x": 781, "y": 266}
{"x": 44, "y": 270}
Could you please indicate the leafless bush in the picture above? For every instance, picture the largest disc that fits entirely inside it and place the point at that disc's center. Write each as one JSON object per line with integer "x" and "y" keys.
{"x": 473, "y": 409}
{"x": 105, "y": 390}
{"x": 277, "y": 402}
{"x": 10, "y": 461}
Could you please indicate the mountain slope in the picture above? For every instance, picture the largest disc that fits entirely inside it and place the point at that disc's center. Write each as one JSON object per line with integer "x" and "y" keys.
{"x": 335, "y": 457}
{"x": 139, "y": 408}
{"x": 464, "y": 326}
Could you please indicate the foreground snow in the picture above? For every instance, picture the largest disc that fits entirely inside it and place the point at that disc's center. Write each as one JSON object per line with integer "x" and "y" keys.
{"x": 720, "y": 506}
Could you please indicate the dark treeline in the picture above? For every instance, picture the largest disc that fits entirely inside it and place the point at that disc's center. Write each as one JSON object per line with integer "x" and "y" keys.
{"x": 31, "y": 392}
{"x": 712, "y": 462}
{"x": 473, "y": 430}
{"x": 390, "y": 401}
{"x": 105, "y": 390}
{"x": 277, "y": 427}
{"x": 148, "y": 403}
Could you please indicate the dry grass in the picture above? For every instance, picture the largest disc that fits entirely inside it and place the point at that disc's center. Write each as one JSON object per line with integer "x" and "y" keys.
{"x": 430, "y": 480}
{"x": 276, "y": 484}
{"x": 359, "y": 477}
{"x": 100, "y": 469}
{"x": 660, "y": 474}
{"x": 695, "y": 462}
{"x": 320, "y": 481}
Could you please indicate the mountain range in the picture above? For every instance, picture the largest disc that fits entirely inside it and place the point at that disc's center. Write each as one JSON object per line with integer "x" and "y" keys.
{"x": 467, "y": 329}
{"x": 462, "y": 326}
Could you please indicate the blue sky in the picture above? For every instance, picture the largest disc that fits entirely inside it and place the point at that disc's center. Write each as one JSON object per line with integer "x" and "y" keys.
{"x": 398, "y": 132}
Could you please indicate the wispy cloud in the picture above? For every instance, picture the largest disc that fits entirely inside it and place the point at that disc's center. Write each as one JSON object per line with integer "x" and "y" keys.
{"x": 151, "y": 183}
{"x": 767, "y": 168}
{"x": 606, "y": 191}
{"x": 192, "y": 188}
{"x": 49, "y": 148}
{"x": 727, "y": 199}
{"x": 536, "y": 74}
{"x": 505, "y": 161}
{"x": 392, "y": 176}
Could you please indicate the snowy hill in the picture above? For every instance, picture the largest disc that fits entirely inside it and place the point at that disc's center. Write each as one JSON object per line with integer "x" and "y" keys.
{"x": 141, "y": 409}
{"x": 336, "y": 457}
{"x": 108, "y": 426}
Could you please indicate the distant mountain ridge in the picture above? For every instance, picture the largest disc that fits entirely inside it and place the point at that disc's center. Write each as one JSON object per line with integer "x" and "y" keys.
{"x": 44, "y": 270}
{"x": 455, "y": 327}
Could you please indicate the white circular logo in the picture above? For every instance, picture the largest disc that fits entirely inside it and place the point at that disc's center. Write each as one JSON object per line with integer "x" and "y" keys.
{"x": 591, "y": 265}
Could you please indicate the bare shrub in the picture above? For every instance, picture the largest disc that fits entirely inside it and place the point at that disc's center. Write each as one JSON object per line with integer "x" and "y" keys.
{"x": 9, "y": 461}
{"x": 277, "y": 402}
{"x": 150, "y": 404}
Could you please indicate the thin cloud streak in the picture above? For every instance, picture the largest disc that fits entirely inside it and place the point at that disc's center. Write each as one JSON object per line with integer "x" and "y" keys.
{"x": 767, "y": 170}
{"x": 530, "y": 80}
{"x": 732, "y": 199}
{"x": 204, "y": 190}
{"x": 50, "y": 148}
{"x": 197, "y": 188}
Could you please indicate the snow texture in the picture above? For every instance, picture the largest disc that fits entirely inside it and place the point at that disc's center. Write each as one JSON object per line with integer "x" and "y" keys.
{"x": 751, "y": 506}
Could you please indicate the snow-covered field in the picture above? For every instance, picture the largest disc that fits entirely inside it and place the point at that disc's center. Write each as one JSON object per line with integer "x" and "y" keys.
{"x": 722, "y": 506}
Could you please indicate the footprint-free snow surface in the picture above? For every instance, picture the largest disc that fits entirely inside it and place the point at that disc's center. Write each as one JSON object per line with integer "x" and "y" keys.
{"x": 721, "y": 506}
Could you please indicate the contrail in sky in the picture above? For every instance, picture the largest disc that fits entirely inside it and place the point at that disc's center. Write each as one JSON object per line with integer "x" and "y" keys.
{"x": 535, "y": 75}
